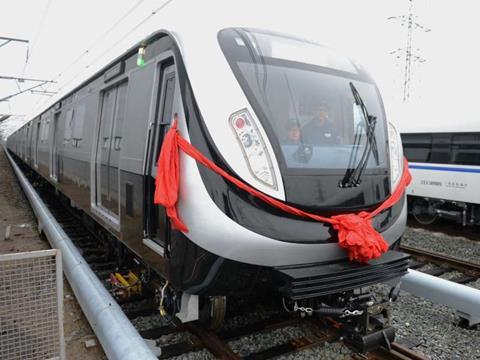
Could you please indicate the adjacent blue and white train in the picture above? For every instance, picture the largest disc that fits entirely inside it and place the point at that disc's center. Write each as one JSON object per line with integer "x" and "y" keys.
{"x": 445, "y": 165}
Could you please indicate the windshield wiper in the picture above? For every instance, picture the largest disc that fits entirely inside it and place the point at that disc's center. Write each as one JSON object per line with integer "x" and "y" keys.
{"x": 353, "y": 176}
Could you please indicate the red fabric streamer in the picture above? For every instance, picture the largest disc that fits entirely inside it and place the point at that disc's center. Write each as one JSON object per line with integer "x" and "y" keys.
{"x": 355, "y": 231}
{"x": 168, "y": 178}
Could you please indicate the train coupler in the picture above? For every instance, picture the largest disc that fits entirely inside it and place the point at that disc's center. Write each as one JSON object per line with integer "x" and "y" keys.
{"x": 359, "y": 319}
{"x": 371, "y": 330}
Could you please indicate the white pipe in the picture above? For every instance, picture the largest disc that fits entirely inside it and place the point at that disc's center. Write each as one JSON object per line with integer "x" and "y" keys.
{"x": 464, "y": 299}
{"x": 119, "y": 339}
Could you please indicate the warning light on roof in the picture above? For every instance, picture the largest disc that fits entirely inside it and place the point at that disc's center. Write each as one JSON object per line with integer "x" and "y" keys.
{"x": 141, "y": 56}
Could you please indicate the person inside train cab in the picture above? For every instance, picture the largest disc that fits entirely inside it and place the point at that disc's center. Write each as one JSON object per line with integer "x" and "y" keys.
{"x": 293, "y": 135}
{"x": 320, "y": 130}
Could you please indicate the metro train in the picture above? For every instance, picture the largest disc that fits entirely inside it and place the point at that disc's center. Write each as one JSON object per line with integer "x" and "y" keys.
{"x": 445, "y": 166}
{"x": 297, "y": 122}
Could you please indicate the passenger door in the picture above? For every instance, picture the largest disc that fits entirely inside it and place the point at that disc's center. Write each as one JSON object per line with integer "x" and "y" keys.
{"x": 54, "y": 148}
{"x": 28, "y": 147}
{"x": 37, "y": 139}
{"x": 109, "y": 143}
{"x": 156, "y": 223}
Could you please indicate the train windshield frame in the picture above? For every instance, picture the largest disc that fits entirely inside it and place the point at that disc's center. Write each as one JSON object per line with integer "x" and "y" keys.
{"x": 301, "y": 93}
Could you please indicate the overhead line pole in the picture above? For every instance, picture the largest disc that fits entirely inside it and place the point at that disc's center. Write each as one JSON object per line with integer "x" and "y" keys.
{"x": 9, "y": 40}
{"x": 19, "y": 79}
{"x": 21, "y": 92}
{"x": 153, "y": 13}
{"x": 410, "y": 55}
{"x": 43, "y": 92}
{"x": 24, "y": 79}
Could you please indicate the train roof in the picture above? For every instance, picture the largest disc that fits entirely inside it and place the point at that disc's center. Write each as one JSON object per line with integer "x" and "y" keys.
{"x": 196, "y": 37}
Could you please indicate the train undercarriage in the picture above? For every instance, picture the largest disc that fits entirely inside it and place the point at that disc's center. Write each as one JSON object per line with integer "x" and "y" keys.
{"x": 360, "y": 319}
{"x": 427, "y": 210}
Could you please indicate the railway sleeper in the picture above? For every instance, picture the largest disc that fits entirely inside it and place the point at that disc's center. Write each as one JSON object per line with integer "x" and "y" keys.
{"x": 157, "y": 332}
{"x": 464, "y": 279}
{"x": 183, "y": 347}
{"x": 294, "y": 345}
{"x": 135, "y": 313}
{"x": 437, "y": 271}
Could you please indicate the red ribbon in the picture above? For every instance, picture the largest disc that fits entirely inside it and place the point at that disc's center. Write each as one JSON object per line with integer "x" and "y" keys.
{"x": 355, "y": 231}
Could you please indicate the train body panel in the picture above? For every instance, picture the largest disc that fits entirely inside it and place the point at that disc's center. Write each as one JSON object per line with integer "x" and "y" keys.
{"x": 445, "y": 181}
{"x": 445, "y": 166}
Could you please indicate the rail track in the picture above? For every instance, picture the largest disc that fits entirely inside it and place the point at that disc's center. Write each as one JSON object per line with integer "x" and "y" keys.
{"x": 102, "y": 260}
{"x": 444, "y": 264}
{"x": 397, "y": 352}
{"x": 217, "y": 342}
{"x": 176, "y": 339}
{"x": 217, "y": 345}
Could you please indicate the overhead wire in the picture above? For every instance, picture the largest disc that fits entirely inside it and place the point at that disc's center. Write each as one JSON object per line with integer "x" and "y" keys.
{"x": 37, "y": 36}
{"x": 97, "y": 40}
{"x": 92, "y": 46}
{"x": 152, "y": 14}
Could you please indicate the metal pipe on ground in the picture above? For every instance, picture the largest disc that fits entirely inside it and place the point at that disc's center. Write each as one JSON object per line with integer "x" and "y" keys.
{"x": 119, "y": 339}
{"x": 463, "y": 299}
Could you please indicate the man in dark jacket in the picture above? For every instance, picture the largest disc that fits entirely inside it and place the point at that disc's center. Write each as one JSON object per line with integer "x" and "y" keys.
{"x": 320, "y": 131}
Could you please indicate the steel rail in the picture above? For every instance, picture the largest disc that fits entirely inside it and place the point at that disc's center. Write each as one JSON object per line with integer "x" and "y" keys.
{"x": 442, "y": 259}
{"x": 397, "y": 352}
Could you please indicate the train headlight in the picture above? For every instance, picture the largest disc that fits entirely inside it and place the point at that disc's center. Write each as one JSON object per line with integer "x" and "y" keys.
{"x": 396, "y": 154}
{"x": 253, "y": 148}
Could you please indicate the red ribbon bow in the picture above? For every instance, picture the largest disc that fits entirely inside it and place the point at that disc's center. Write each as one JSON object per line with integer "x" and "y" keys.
{"x": 355, "y": 231}
{"x": 357, "y": 235}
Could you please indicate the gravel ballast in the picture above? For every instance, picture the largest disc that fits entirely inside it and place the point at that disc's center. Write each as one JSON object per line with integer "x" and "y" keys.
{"x": 454, "y": 246}
{"x": 435, "y": 327}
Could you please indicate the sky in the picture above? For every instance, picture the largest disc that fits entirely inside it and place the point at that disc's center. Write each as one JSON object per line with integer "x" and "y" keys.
{"x": 70, "y": 40}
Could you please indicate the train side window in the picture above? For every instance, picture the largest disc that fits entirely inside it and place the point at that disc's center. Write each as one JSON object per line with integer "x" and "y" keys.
{"x": 166, "y": 115}
{"x": 44, "y": 128}
{"x": 44, "y": 136}
{"x": 69, "y": 118}
{"x": 441, "y": 148}
{"x": 417, "y": 147}
{"x": 77, "y": 131}
{"x": 108, "y": 108}
{"x": 119, "y": 117}
{"x": 47, "y": 129}
{"x": 466, "y": 149}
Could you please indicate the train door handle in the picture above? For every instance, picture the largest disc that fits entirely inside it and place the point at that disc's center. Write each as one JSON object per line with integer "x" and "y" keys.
{"x": 116, "y": 142}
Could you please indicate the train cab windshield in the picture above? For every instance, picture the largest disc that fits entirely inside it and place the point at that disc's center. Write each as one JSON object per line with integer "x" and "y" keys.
{"x": 303, "y": 94}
